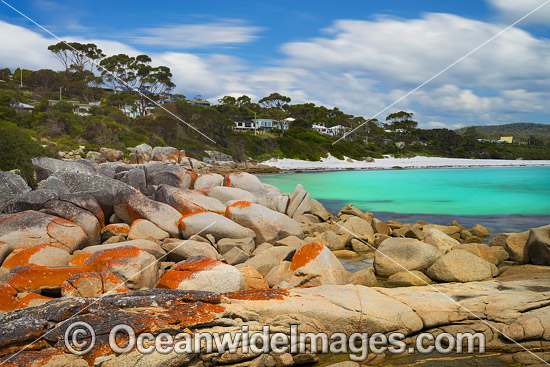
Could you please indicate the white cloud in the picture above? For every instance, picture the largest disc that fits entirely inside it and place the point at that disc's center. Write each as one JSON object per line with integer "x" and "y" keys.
{"x": 198, "y": 35}
{"x": 514, "y": 10}
{"x": 361, "y": 67}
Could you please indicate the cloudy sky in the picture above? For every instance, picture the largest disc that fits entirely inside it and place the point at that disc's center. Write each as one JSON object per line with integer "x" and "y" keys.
{"x": 358, "y": 55}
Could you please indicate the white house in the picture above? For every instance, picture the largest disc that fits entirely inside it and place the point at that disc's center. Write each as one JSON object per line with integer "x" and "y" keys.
{"x": 337, "y": 130}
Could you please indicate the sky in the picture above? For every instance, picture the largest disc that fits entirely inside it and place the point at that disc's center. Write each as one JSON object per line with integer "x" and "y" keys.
{"x": 360, "y": 56}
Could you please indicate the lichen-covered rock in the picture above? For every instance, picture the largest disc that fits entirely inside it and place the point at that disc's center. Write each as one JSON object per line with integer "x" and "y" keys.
{"x": 315, "y": 264}
{"x": 248, "y": 182}
{"x": 162, "y": 173}
{"x": 116, "y": 229}
{"x": 112, "y": 155}
{"x": 45, "y": 255}
{"x": 136, "y": 268}
{"x": 142, "y": 229}
{"x": 204, "y": 274}
{"x": 398, "y": 254}
{"x": 208, "y": 180}
{"x": 31, "y": 228}
{"x": 252, "y": 279}
{"x": 142, "y": 153}
{"x": 268, "y": 224}
{"x": 95, "y": 157}
{"x": 102, "y": 188}
{"x": 211, "y": 223}
{"x": 33, "y": 200}
{"x": 461, "y": 266}
{"x": 146, "y": 245}
{"x": 188, "y": 201}
{"x": 8, "y": 297}
{"x": 225, "y": 194}
{"x": 11, "y": 185}
{"x": 28, "y": 278}
{"x": 132, "y": 206}
{"x": 166, "y": 154}
{"x": 44, "y": 167}
{"x": 64, "y": 208}
{"x": 183, "y": 250}
{"x": 91, "y": 285}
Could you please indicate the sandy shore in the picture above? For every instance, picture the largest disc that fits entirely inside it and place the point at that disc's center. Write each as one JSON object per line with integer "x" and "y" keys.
{"x": 332, "y": 163}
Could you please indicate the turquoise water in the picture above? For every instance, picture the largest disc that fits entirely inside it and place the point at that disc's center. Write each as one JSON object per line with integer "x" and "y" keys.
{"x": 457, "y": 191}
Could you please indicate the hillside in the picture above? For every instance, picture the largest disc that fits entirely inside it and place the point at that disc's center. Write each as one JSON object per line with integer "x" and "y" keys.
{"x": 519, "y": 130}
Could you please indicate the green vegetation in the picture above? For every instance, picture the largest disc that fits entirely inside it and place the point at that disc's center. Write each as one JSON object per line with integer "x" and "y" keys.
{"x": 530, "y": 132}
{"x": 53, "y": 126}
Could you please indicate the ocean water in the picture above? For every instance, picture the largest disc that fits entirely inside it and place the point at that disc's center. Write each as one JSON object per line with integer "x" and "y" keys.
{"x": 506, "y": 199}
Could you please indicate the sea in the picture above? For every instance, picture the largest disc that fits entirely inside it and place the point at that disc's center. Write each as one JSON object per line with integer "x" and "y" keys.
{"x": 503, "y": 199}
{"x": 510, "y": 199}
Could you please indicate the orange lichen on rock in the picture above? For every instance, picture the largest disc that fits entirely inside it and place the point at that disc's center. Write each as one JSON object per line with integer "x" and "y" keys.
{"x": 113, "y": 284}
{"x": 194, "y": 177}
{"x": 120, "y": 229}
{"x": 102, "y": 260}
{"x": 21, "y": 255}
{"x": 34, "y": 277}
{"x": 29, "y": 357}
{"x": 184, "y": 270}
{"x": 182, "y": 221}
{"x": 64, "y": 222}
{"x": 32, "y": 299}
{"x": 8, "y": 297}
{"x": 259, "y": 294}
{"x": 239, "y": 204}
{"x": 79, "y": 259}
{"x": 305, "y": 254}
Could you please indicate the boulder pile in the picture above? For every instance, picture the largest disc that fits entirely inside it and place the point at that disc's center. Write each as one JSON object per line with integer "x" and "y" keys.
{"x": 157, "y": 226}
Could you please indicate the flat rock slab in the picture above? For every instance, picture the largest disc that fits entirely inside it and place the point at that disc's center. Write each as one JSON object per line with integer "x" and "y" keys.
{"x": 509, "y": 305}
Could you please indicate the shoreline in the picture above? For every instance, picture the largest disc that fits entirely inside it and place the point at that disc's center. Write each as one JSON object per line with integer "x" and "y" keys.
{"x": 419, "y": 162}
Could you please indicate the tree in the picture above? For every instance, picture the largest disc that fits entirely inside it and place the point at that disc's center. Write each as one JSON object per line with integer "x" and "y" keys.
{"x": 77, "y": 56}
{"x": 401, "y": 122}
{"x": 275, "y": 100}
{"x": 138, "y": 76}
{"x": 471, "y": 132}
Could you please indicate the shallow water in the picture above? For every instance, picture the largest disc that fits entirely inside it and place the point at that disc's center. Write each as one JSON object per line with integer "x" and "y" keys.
{"x": 454, "y": 191}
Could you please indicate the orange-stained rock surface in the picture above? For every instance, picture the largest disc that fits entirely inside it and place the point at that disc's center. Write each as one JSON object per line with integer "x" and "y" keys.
{"x": 32, "y": 299}
{"x": 35, "y": 277}
{"x": 173, "y": 278}
{"x": 305, "y": 254}
{"x": 116, "y": 229}
{"x": 92, "y": 284}
{"x": 44, "y": 255}
{"x": 259, "y": 294}
{"x": 8, "y": 297}
{"x": 79, "y": 259}
{"x": 136, "y": 267}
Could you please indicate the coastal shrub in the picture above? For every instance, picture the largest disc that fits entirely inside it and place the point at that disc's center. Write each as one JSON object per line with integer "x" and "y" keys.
{"x": 18, "y": 147}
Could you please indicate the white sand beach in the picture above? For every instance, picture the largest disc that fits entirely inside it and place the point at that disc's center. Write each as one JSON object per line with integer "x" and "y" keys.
{"x": 332, "y": 163}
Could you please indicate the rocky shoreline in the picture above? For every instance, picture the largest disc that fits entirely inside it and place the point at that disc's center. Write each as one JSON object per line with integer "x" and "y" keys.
{"x": 166, "y": 243}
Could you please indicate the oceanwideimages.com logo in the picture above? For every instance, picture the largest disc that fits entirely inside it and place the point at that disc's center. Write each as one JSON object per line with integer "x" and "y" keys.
{"x": 80, "y": 339}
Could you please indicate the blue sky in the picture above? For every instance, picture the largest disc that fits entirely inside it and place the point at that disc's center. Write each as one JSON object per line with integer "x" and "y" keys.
{"x": 358, "y": 55}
